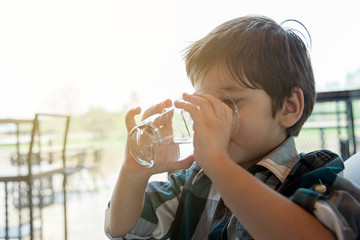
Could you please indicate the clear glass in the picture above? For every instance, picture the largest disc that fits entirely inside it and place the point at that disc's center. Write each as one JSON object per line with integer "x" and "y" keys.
{"x": 162, "y": 136}
{"x": 168, "y": 136}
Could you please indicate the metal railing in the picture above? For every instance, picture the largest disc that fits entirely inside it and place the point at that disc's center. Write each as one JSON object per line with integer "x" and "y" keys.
{"x": 334, "y": 124}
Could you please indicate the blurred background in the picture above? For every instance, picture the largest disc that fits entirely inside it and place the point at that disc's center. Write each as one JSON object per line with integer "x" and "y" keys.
{"x": 93, "y": 60}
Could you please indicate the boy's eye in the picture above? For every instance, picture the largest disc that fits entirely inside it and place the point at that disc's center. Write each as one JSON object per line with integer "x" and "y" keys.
{"x": 231, "y": 102}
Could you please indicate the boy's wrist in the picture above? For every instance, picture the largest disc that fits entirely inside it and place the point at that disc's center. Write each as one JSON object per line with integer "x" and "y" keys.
{"x": 214, "y": 161}
{"x": 136, "y": 176}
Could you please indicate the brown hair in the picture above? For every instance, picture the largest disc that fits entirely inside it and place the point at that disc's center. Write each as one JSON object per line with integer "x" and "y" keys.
{"x": 259, "y": 54}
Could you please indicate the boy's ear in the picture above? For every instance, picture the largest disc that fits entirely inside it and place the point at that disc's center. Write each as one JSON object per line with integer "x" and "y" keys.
{"x": 292, "y": 109}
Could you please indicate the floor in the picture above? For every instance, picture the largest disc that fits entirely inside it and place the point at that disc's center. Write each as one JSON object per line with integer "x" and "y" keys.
{"x": 85, "y": 210}
{"x": 85, "y": 215}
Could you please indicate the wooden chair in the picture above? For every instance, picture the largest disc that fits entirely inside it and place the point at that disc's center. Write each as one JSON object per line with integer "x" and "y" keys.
{"x": 28, "y": 173}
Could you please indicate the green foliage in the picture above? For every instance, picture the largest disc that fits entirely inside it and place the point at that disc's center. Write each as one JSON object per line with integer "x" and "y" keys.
{"x": 353, "y": 80}
{"x": 98, "y": 122}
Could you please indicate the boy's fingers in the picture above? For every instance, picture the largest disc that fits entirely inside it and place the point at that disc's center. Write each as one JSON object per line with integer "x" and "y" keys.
{"x": 130, "y": 118}
{"x": 168, "y": 103}
{"x": 209, "y": 105}
{"x": 196, "y": 99}
{"x": 152, "y": 110}
{"x": 158, "y": 108}
{"x": 130, "y": 115}
{"x": 219, "y": 106}
{"x": 166, "y": 119}
{"x": 190, "y": 108}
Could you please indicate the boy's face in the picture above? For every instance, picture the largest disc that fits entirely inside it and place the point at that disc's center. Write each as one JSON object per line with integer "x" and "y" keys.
{"x": 258, "y": 132}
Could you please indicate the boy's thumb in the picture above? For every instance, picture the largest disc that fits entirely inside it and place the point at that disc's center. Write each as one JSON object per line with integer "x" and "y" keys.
{"x": 130, "y": 118}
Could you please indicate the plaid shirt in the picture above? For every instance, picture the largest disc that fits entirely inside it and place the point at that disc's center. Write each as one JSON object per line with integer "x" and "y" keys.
{"x": 311, "y": 180}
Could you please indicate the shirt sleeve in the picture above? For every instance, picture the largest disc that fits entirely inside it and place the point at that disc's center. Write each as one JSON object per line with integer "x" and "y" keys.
{"x": 338, "y": 207}
{"x": 160, "y": 205}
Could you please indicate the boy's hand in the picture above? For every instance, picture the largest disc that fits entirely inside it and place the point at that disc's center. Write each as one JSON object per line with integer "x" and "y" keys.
{"x": 130, "y": 164}
{"x": 212, "y": 126}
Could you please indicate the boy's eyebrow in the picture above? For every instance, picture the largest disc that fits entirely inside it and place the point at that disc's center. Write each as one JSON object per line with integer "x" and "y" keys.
{"x": 233, "y": 89}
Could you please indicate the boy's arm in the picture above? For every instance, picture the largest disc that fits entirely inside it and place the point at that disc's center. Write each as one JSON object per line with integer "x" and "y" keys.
{"x": 265, "y": 213}
{"x": 127, "y": 201}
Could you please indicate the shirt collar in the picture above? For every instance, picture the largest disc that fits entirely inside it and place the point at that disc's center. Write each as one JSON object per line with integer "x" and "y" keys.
{"x": 282, "y": 159}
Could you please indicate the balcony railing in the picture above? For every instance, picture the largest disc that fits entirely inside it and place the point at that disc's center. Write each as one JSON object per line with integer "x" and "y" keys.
{"x": 334, "y": 124}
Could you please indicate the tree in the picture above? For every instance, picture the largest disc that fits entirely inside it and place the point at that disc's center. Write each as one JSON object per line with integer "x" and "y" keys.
{"x": 353, "y": 80}
{"x": 99, "y": 122}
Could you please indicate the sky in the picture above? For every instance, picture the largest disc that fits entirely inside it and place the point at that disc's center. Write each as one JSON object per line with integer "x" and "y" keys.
{"x": 70, "y": 56}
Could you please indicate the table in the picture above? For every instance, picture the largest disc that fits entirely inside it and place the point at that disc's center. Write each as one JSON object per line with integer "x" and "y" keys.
{"x": 28, "y": 172}
{"x": 21, "y": 174}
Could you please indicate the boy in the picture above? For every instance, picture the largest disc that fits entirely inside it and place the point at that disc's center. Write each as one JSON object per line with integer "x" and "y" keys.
{"x": 248, "y": 184}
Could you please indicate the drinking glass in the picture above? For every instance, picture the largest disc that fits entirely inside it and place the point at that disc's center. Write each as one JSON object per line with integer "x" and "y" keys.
{"x": 168, "y": 136}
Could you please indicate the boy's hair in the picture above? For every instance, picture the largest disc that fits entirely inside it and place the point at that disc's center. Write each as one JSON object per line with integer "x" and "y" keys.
{"x": 259, "y": 54}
